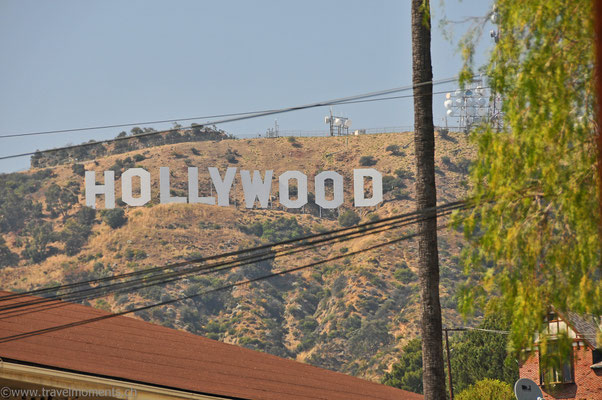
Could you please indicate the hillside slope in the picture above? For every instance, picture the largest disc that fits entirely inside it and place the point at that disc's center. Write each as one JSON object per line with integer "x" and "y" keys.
{"x": 352, "y": 315}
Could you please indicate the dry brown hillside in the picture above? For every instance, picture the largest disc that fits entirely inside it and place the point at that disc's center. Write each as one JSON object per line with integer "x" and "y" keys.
{"x": 352, "y": 315}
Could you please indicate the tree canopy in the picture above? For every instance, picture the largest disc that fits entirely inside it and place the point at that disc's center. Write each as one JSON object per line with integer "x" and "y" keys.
{"x": 487, "y": 389}
{"x": 537, "y": 244}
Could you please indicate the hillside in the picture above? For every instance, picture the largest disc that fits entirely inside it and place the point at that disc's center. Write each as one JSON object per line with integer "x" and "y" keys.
{"x": 352, "y": 316}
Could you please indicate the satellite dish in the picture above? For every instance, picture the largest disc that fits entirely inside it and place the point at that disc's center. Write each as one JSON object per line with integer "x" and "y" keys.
{"x": 482, "y": 112}
{"x": 338, "y": 122}
{"x": 347, "y": 123}
{"x": 458, "y": 92}
{"x": 481, "y": 101}
{"x": 469, "y": 101}
{"x": 448, "y": 96}
{"x": 458, "y": 101}
{"x": 450, "y": 113}
{"x": 468, "y": 92}
{"x": 448, "y": 103}
{"x": 327, "y": 120}
{"x": 526, "y": 389}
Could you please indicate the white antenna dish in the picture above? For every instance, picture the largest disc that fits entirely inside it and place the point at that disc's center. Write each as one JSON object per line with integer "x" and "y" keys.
{"x": 458, "y": 92}
{"x": 448, "y": 103}
{"x": 338, "y": 122}
{"x": 482, "y": 112}
{"x": 450, "y": 113}
{"x": 327, "y": 120}
{"x": 459, "y": 101}
{"x": 347, "y": 123}
{"x": 482, "y": 101}
{"x": 526, "y": 389}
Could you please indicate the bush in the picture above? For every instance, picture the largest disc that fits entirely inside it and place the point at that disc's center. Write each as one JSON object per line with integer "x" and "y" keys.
{"x": 349, "y": 218}
{"x": 85, "y": 215}
{"x": 393, "y": 148}
{"x": 391, "y": 183}
{"x": 403, "y": 174}
{"x": 38, "y": 248}
{"x": 133, "y": 254}
{"x": 367, "y": 161}
{"x": 404, "y": 274}
{"x": 78, "y": 169}
{"x": 463, "y": 166}
{"x": 75, "y": 237}
{"x": 114, "y": 217}
{"x": 308, "y": 325}
{"x": 7, "y": 257}
{"x": 487, "y": 389}
{"x": 231, "y": 156}
{"x": 59, "y": 200}
{"x": 406, "y": 374}
{"x": 371, "y": 337}
{"x": 281, "y": 229}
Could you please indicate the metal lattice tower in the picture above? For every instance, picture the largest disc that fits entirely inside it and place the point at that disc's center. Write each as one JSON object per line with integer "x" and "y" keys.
{"x": 473, "y": 105}
{"x": 338, "y": 125}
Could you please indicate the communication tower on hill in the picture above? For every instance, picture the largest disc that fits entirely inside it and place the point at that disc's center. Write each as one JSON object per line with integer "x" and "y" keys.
{"x": 474, "y": 105}
{"x": 339, "y": 126}
{"x": 273, "y": 132}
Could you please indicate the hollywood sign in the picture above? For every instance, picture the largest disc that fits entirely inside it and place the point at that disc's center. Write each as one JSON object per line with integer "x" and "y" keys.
{"x": 255, "y": 188}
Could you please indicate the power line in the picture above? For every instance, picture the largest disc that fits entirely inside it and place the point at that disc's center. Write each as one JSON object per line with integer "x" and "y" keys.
{"x": 225, "y": 287}
{"x": 182, "y": 298}
{"x": 343, "y": 100}
{"x": 470, "y": 328}
{"x": 240, "y": 117}
{"x": 269, "y": 246}
{"x": 12, "y": 135}
{"x": 161, "y": 279}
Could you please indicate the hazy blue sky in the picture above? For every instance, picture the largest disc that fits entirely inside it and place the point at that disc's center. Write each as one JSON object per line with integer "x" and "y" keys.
{"x": 68, "y": 63}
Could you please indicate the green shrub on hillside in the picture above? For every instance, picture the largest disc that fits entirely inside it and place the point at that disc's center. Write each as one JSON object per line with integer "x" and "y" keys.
{"x": 78, "y": 169}
{"x": 406, "y": 373}
{"x": 114, "y": 217}
{"x": 349, "y": 218}
{"x": 367, "y": 161}
{"x": 279, "y": 230}
{"x": 7, "y": 257}
{"x": 74, "y": 236}
{"x": 37, "y": 247}
{"x": 85, "y": 215}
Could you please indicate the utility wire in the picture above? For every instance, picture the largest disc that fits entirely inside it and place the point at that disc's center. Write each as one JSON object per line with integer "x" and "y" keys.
{"x": 13, "y": 135}
{"x": 470, "y": 328}
{"x": 269, "y": 246}
{"x": 343, "y": 100}
{"x": 240, "y": 117}
{"x": 162, "y": 279}
{"x": 187, "y": 297}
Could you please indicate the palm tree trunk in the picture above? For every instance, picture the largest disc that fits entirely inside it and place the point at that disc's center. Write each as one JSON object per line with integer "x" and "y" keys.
{"x": 426, "y": 197}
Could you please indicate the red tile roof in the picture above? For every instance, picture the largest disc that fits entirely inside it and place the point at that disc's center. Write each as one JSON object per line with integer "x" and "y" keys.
{"x": 130, "y": 349}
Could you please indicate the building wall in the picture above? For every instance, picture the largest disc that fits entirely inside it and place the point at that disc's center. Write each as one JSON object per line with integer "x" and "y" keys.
{"x": 588, "y": 382}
